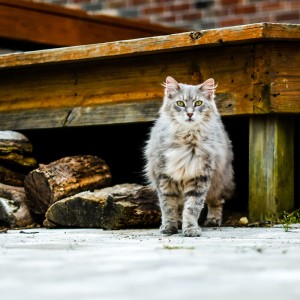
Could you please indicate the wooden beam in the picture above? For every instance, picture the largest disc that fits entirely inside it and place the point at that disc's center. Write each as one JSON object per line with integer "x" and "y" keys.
{"x": 254, "y": 76}
{"x": 55, "y": 25}
{"x": 271, "y": 166}
{"x": 101, "y": 87}
{"x": 169, "y": 43}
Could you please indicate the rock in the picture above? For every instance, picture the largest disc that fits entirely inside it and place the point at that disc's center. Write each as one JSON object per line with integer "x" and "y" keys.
{"x": 63, "y": 178}
{"x": 116, "y": 207}
{"x": 13, "y": 207}
{"x": 243, "y": 221}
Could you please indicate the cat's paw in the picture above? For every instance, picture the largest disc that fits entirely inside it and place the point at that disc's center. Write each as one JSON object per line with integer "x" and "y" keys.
{"x": 213, "y": 222}
{"x": 168, "y": 229}
{"x": 192, "y": 231}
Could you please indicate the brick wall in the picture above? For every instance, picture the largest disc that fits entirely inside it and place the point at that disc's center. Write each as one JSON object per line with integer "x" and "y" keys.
{"x": 193, "y": 14}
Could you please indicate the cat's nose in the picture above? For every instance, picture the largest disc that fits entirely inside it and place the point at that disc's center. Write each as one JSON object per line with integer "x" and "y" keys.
{"x": 190, "y": 115}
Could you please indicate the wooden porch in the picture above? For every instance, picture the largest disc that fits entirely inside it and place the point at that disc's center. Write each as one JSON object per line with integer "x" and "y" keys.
{"x": 257, "y": 68}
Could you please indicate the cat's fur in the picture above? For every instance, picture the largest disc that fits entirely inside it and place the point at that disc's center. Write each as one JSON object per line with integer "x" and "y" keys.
{"x": 189, "y": 158}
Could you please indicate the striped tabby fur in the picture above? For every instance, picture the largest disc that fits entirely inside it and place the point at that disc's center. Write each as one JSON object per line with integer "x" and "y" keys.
{"x": 189, "y": 158}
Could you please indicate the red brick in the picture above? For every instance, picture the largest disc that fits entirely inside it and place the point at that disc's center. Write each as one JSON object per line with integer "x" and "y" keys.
{"x": 245, "y": 9}
{"x": 223, "y": 12}
{"x": 261, "y": 19}
{"x": 137, "y": 2}
{"x": 80, "y": 1}
{"x": 191, "y": 16}
{"x": 171, "y": 18}
{"x": 230, "y": 2}
{"x": 178, "y": 7}
{"x": 115, "y": 4}
{"x": 153, "y": 10}
{"x": 294, "y": 4}
{"x": 289, "y": 16}
{"x": 232, "y": 22}
{"x": 269, "y": 6}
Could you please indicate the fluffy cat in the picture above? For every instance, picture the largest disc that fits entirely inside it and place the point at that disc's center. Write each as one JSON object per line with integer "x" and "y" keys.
{"x": 189, "y": 158}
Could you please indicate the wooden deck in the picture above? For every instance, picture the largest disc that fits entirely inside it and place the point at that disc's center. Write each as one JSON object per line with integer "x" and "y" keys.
{"x": 56, "y": 26}
{"x": 257, "y": 68}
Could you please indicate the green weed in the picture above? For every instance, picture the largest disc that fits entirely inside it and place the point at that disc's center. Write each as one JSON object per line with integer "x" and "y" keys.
{"x": 289, "y": 218}
{"x": 170, "y": 247}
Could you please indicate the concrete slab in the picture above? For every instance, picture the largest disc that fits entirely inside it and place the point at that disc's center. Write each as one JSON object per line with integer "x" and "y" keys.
{"x": 225, "y": 263}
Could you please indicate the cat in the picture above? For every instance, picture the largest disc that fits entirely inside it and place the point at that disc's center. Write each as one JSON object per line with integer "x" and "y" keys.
{"x": 189, "y": 158}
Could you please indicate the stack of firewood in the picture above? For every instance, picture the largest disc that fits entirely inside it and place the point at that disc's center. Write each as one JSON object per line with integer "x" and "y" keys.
{"x": 73, "y": 191}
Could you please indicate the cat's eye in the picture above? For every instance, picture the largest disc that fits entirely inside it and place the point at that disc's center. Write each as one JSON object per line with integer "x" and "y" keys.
{"x": 180, "y": 103}
{"x": 198, "y": 103}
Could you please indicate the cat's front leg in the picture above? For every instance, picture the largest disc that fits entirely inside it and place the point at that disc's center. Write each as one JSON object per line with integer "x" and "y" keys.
{"x": 194, "y": 194}
{"x": 168, "y": 198}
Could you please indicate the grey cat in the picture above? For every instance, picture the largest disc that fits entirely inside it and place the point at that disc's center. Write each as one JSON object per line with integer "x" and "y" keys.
{"x": 189, "y": 158}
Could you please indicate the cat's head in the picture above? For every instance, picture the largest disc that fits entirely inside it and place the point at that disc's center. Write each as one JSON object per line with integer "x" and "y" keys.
{"x": 189, "y": 104}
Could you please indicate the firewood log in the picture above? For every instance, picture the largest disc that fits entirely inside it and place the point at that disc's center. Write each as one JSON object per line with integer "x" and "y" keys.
{"x": 131, "y": 206}
{"x": 63, "y": 178}
{"x": 13, "y": 207}
{"x": 118, "y": 207}
{"x": 11, "y": 177}
{"x": 15, "y": 148}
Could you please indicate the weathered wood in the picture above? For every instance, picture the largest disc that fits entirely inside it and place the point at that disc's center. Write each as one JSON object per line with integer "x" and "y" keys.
{"x": 81, "y": 116}
{"x": 120, "y": 206}
{"x": 131, "y": 206}
{"x": 15, "y": 148}
{"x": 169, "y": 43}
{"x": 13, "y": 207}
{"x": 271, "y": 166}
{"x": 62, "y": 178}
{"x": 277, "y": 78}
{"x": 55, "y": 25}
{"x": 11, "y": 177}
{"x": 93, "y": 86}
{"x": 71, "y": 93}
{"x": 81, "y": 210}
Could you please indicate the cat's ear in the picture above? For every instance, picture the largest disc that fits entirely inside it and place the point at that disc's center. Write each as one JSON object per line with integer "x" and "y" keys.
{"x": 171, "y": 86}
{"x": 208, "y": 87}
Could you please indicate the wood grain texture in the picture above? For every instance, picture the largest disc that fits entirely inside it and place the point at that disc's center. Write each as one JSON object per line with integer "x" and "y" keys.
{"x": 277, "y": 78}
{"x": 121, "y": 81}
{"x": 63, "y": 178}
{"x": 271, "y": 166}
{"x": 168, "y": 43}
{"x": 120, "y": 90}
{"x": 58, "y": 26}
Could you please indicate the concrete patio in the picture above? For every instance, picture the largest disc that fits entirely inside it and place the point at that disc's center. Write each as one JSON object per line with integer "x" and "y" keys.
{"x": 226, "y": 263}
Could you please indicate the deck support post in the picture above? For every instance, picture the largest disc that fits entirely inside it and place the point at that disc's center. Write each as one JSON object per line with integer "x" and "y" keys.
{"x": 271, "y": 165}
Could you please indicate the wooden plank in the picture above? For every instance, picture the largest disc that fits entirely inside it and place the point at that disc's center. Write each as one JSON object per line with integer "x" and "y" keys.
{"x": 58, "y": 26}
{"x": 271, "y": 166}
{"x": 276, "y": 77}
{"x": 169, "y": 43}
{"x": 129, "y": 80}
{"x": 80, "y": 116}
{"x": 285, "y": 77}
{"x": 33, "y": 119}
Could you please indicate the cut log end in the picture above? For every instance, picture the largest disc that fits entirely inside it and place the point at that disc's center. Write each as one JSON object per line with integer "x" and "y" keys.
{"x": 38, "y": 192}
{"x": 63, "y": 178}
